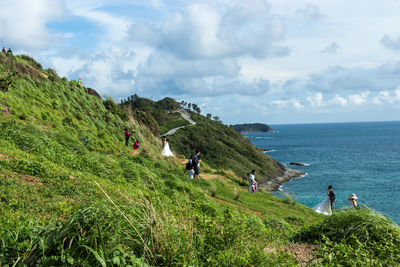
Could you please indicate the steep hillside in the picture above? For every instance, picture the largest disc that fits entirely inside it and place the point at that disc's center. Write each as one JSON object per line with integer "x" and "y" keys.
{"x": 221, "y": 146}
{"x": 72, "y": 194}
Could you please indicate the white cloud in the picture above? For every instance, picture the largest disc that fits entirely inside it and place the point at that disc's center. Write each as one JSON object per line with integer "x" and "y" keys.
{"x": 293, "y": 102}
{"x": 110, "y": 72}
{"x": 389, "y": 43}
{"x": 116, "y": 27}
{"x": 316, "y": 100}
{"x": 337, "y": 100}
{"x": 332, "y": 48}
{"x": 311, "y": 11}
{"x": 23, "y": 23}
{"x": 385, "y": 97}
{"x": 205, "y": 30}
{"x": 358, "y": 99}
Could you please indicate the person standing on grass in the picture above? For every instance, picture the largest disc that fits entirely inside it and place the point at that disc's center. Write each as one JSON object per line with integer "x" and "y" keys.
{"x": 4, "y": 50}
{"x": 196, "y": 163}
{"x": 353, "y": 200}
{"x": 253, "y": 182}
{"x": 331, "y": 196}
{"x": 127, "y": 137}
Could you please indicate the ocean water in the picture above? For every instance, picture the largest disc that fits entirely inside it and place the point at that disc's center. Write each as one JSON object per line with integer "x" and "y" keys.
{"x": 361, "y": 158}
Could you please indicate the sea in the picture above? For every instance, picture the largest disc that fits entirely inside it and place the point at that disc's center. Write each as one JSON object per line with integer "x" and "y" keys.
{"x": 361, "y": 158}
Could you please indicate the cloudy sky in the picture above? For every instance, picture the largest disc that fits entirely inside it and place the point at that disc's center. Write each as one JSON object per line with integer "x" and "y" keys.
{"x": 275, "y": 61}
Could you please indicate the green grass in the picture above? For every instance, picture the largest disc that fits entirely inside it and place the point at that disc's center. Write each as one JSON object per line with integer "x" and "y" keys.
{"x": 355, "y": 237}
{"x": 71, "y": 193}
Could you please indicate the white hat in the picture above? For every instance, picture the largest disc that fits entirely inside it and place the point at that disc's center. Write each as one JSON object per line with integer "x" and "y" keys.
{"x": 353, "y": 196}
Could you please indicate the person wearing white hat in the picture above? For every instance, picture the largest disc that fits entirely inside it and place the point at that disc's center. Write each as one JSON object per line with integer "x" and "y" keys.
{"x": 353, "y": 200}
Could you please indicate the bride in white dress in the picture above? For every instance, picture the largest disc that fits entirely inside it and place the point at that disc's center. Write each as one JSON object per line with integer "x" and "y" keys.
{"x": 166, "y": 151}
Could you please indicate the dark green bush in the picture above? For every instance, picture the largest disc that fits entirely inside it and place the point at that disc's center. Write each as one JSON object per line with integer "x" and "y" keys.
{"x": 366, "y": 232}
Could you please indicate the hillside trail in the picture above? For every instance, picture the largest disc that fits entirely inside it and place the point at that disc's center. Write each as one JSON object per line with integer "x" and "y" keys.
{"x": 186, "y": 116}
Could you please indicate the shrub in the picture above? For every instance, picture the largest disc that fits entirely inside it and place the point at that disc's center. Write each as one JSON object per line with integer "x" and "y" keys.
{"x": 365, "y": 231}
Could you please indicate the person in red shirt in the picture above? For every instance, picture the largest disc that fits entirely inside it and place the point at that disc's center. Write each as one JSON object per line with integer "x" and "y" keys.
{"x": 136, "y": 145}
{"x": 127, "y": 136}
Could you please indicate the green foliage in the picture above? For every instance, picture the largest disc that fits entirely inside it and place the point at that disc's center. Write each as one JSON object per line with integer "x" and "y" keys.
{"x": 6, "y": 80}
{"x": 224, "y": 148}
{"x": 157, "y": 116}
{"x": 115, "y": 109}
{"x": 356, "y": 237}
{"x": 71, "y": 193}
{"x": 31, "y": 61}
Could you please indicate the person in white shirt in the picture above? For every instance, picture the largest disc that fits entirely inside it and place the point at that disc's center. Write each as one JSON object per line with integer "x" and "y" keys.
{"x": 191, "y": 173}
{"x": 253, "y": 183}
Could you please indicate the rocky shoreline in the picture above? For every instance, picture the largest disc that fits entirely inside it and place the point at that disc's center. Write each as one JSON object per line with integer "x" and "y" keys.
{"x": 275, "y": 183}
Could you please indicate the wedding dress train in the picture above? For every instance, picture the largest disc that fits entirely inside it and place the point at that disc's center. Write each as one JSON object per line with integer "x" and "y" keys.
{"x": 324, "y": 207}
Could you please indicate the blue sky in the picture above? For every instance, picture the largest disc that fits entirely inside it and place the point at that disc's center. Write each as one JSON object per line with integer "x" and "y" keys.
{"x": 275, "y": 61}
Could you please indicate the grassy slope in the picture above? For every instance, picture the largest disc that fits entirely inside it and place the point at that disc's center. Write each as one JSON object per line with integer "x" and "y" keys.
{"x": 60, "y": 148}
{"x": 223, "y": 147}
{"x": 63, "y": 161}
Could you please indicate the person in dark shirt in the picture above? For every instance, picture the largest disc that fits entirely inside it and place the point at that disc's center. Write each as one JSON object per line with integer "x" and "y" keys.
{"x": 332, "y": 196}
{"x": 4, "y": 50}
{"x": 196, "y": 163}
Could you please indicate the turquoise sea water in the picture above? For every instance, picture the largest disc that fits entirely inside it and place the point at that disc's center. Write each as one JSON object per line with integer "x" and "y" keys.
{"x": 360, "y": 158}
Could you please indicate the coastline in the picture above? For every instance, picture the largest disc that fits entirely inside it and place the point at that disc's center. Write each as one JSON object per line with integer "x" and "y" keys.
{"x": 274, "y": 183}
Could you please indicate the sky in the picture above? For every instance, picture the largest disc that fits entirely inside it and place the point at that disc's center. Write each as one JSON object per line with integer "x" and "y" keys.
{"x": 274, "y": 62}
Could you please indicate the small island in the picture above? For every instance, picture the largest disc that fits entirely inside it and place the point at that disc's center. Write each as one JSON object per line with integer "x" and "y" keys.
{"x": 252, "y": 127}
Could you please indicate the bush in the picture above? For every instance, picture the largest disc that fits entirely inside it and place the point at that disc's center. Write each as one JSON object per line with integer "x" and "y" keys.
{"x": 365, "y": 231}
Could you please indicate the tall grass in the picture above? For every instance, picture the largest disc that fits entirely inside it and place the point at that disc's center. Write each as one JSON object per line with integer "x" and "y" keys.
{"x": 374, "y": 239}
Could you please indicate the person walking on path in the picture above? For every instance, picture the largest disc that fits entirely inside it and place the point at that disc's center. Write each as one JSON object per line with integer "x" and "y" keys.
{"x": 332, "y": 196}
{"x": 253, "y": 182}
{"x": 127, "y": 136}
{"x": 196, "y": 163}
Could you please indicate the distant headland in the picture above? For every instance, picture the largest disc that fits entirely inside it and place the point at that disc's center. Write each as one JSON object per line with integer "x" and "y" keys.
{"x": 252, "y": 127}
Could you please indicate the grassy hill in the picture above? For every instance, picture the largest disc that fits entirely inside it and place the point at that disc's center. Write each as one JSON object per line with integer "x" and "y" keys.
{"x": 71, "y": 193}
{"x": 221, "y": 146}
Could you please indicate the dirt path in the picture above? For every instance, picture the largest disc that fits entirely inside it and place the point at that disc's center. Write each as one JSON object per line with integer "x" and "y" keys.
{"x": 304, "y": 253}
{"x": 186, "y": 116}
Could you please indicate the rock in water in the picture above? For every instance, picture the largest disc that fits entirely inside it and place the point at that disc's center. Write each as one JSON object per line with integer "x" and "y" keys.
{"x": 297, "y": 164}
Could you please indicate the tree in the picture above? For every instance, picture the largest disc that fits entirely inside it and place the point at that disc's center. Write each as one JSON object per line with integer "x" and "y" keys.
{"x": 189, "y": 105}
{"x": 198, "y": 110}
{"x": 209, "y": 116}
{"x": 194, "y": 106}
{"x": 216, "y": 118}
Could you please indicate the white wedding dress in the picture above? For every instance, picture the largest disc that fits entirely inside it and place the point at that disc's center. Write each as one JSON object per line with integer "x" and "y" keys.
{"x": 324, "y": 207}
{"x": 166, "y": 151}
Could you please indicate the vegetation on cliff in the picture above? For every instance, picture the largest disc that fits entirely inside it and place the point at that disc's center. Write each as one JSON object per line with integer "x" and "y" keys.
{"x": 71, "y": 193}
{"x": 252, "y": 127}
{"x": 221, "y": 146}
